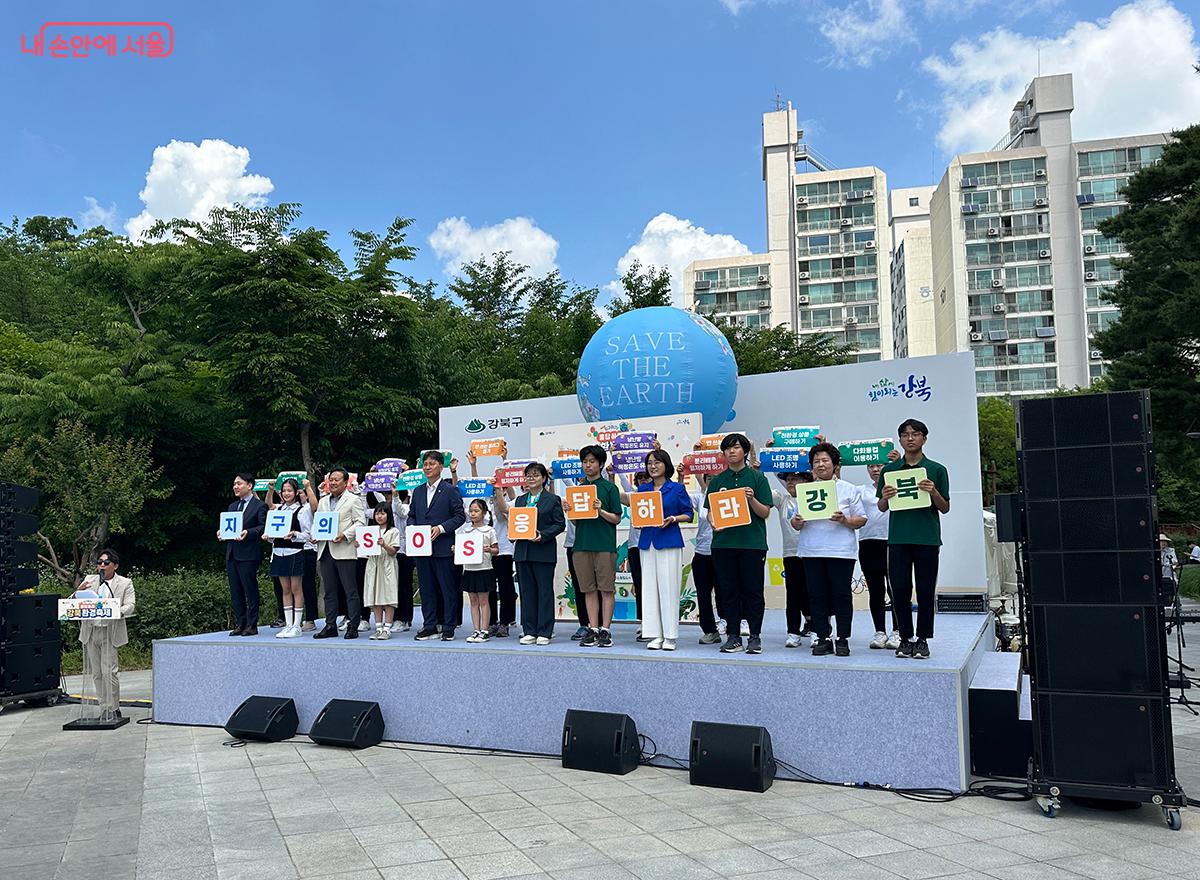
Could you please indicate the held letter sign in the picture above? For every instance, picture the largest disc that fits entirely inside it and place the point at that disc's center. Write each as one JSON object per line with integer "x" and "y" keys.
{"x": 729, "y": 508}
{"x": 279, "y": 523}
{"x": 368, "y": 540}
{"x": 522, "y": 523}
{"x": 325, "y": 525}
{"x": 580, "y": 502}
{"x": 908, "y": 496}
{"x": 468, "y": 548}
{"x": 645, "y": 509}
{"x": 418, "y": 541}
{"x": 817, "y": 500}
{"x": 230, "y": 525}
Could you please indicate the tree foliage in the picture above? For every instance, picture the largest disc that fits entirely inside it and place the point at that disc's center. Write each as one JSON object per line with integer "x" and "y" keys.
{"x": 997, "y": 446}
{"x": 642, "y": 287}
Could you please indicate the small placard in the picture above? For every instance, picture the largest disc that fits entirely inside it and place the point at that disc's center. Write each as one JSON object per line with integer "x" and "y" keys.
{"x": 468, "y": 548}
{"x": 704, "y": 462}
{"x": 474, "y": 487}
{"x": 729, "y": 508}
{"x": 446, "y": 454}
{"x": 395, "y": 465}
{"x": 229, "y": 525}
{"x": 645, "y": 509}
{"x": 298, "y": 476}
{"x": 325, "y": 525}
{"x": 522, "y": 523}
{"x": 418, "y": 541}
{"x": 711, "y": 441}
{"x": 865, "y": 452}
{"x": 510, "y": 477}
{"x": 580, "y": 502}
{"x": 496, "y": 446}
{"x": 802, "y": 436}
{"x": 817, "y": 500}
{"x": 781, "y": 459}
{"x": 380, "y": 481}
{"x": 262, "y": 485}
{"x": 367, "y": 541}
{"x": 908, "y": 496}
{"x": 630, "y": 461}
{"x": 635, "y": 440}
{"x": 409, "y": 480}
{"x": 279, "y": 523}
{"x": 566, "y": 469}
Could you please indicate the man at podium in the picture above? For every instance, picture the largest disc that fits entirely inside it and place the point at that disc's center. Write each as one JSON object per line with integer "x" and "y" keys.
{"x": 101, "y": 638}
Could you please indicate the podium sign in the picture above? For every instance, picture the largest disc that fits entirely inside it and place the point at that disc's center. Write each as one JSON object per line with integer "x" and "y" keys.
{"x": 98, "y": 610}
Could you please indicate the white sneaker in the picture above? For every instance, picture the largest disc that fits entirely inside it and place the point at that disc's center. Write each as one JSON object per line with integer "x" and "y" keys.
{"x": 385, "y": 633}
{"x": 893, "y": 641}
{"x": 473, "y": 637}
{"x": 283, "y": 633}
{"x": 880, "y": 641}
{"x": 528, "y": 640}
{"x": 721, "y": 627}
{"x": 655, "y": 644}
{"x": 745, "y": 629}
{"x": 793, "y": 641}
{"x": 363, "y": 626}
{"x": 341, "y": 624}
{"x": 400, "y": 626}
{"x": 543, "y": 640}
{"x": 668, "y": 645}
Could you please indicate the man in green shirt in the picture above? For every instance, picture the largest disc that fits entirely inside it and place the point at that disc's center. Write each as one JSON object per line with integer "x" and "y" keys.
{"x": 914, "y": 539}
{"x": 595, "y": 550}
{"x": 739, "y": 553}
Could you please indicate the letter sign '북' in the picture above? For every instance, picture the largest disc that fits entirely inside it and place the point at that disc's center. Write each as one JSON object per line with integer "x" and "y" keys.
{"x": 580, "y": 502}
{"x": 279, "y": 523}
{"x": 645, "y": 509}
{"x": 230, "y": 525}
{"x": 468, "y": 549}
{"x": 418, "y": 541}
{"x": 325, "y": 525}
{"x": 368, "y": 540}
{"x": 522, "y": 523}
{"x": 908, "y": 496}
{"x": 817, "y": 500}
{"x": 729, "y": 508}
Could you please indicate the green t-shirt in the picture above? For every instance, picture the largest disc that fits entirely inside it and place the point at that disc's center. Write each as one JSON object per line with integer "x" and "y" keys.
{"x": 754, "y": 535}
{"x": 599, "y": 535}
{"x": 922, "y": 525}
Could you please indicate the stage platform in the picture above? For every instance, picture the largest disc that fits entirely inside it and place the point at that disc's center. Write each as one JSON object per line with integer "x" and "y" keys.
{"x": 867, "y": 717}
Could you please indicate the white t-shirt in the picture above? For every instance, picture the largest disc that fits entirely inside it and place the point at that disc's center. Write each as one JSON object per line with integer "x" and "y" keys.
{"x": 825, "y": 538}
{"x": 786, "y": 505}
{"x": 704, "y": 529}
{"x": 1195, "y": 554}
{"x": 876, "y": 528}
{"x": 500, "y": 523}
{"x": 487, "y": 535}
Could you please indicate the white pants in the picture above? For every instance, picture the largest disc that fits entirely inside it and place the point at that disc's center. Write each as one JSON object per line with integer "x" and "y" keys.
{"x": 102, "y": 663}
{"x": 662, "y": 572}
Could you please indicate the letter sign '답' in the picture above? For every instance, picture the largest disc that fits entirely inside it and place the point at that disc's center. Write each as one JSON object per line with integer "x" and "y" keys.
{"x": 580, "y": 502}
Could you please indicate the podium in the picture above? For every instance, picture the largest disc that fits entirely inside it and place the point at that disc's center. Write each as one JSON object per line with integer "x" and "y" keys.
{"x": 99, "y": 692}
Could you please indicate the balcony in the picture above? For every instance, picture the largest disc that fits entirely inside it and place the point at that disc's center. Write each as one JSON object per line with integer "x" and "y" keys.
{"x": 831, "y": 225}
{"x": 851, "y": 272}
{"x": 1002, "y": 259}
{"x": 982, "y": 359}
{"x": 986, "y": 311}
{"x": 978, "y": 234}
{"x": 1015, "y": 386}
{"x": 730, "y": 284}
{"x": 1114, "y": 168}
{"x": 1005, "y": 179}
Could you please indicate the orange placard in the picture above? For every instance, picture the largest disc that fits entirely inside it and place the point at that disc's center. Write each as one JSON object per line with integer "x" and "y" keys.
{"x": 711, "y": 441}
{"x": 495, "y": 446}
{"x": 645, "y": 509}
{"x": 580, "y": 502}
{"x": 568, "y": 453}
{"x": 729, "y": 508}
{"x": 522, "y": 523}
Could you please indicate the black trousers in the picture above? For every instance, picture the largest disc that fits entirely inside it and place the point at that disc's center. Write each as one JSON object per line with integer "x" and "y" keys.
{"x": 903, "y": 561}
{"x": 404, "y": 596}
{"x": 706, "y": 580}
{"x": 740, "y": 580}
{"x": 309, "y": 584}
{"x": 580, "y": 605}
{"x": 795, "y": 583}
{"x": 829, "y": 592}
{"x": 343, "y": 604}
{"x": 873, "y": 558}
{"x": 536, "y": 580}
{"x": 438, "y": 581}
{"x": 243, "y": 590}
{"x": 635, "y": 572}
{"x": 340, "y": 574}
{"x": 505, "y": 594}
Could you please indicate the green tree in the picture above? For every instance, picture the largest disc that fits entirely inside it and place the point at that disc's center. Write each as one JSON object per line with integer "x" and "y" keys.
{"x": 772, "y": 349}
{"x": 643, "y": 286}
{"x": 997, "y": 446}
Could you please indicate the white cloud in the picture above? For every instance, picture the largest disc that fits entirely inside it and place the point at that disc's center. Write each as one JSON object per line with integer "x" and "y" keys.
{"x": 96, "y": 214}
{"x": 866, "y": 30}
{"x": 672, "y": 242}
{"x": 1132, "y": 75}
{"x": 455, "y": 242}
{"x": 188, "y": 180}
{"x": 735, "y": 6}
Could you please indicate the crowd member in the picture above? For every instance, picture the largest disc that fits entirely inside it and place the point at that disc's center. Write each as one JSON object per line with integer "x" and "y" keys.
{"x": 379, "y": 579}
{"x": 402, "y": 621}
{"x": 798, "y": 610}
{"x": 828, "y": 549}
{"x": 702, "y": 570}
{"x": 633, "y": 555}
{"x": 479, "y": 579}
{"x": 1194, "y": 552}
{"x": 595, "y": 550}
{"x": 536, "y": 557}
{"x": 872, "y": 559}
{"x": 336, "y": 556}
{"x": 740, "y": 552}
{"x": 1170, "y": 564}
{"x": 287, "y": 555}
{"x": 662, "y": 563}
{"x": 502, "y": 600}
{"x": 915, "y": 540}
{"x": 244, "y": 554}
{"x": 581, "y": 612}
{"x": 439, "y": 505}
{"x": 102, "y": 638}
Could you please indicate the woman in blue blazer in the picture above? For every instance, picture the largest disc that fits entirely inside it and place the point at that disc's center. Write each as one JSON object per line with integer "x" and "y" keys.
{"x": 661, "y": 550}
{"x": 537, "y": 558}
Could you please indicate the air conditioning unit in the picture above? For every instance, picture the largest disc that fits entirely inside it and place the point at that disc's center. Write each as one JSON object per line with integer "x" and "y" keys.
{"x": 764, "y": 303}
{"x": 801, "y": 200}
{"x": 1040, "y": 203}
{"x": 998, "y": 308}
{"x": 804, "y": 276}
{"x": 993, "y": 231}
{"x": 870, "y": 245}
{"x": 1095, "y": 354}
{"x": 997, "y": 284}
{"x": 1090, "y": 276}
{"x": 850, "y": 319}
{"x": 1089, "y": 249}
{"x": 846, "y": 221}
{"x": 867, "y": 193}
{"x": 977, "y": 337}
{"x": 1044, "y": 253}
{"x": 802, "y": 299}
{"x": 703, "y": 285}
{"x": 1041, "y": 172}
{"x": 762, "y": 279}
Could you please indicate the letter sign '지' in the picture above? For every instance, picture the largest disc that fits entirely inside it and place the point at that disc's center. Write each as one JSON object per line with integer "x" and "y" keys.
{"x": 418, "y": 541}
{"x": 729, "y": 508}
{"x": 580, "y": 502}
{"x": 645, "y": 509}
{"x": 279, "y": 523}
{"x": 368, "y": 540}
{"x": 908, "y": 496}
{"x": 230, "y": 525}
{"x": 325, "y": 525}
{"x": 522, "y": 523}
{"x": 468, "y": 549}
{"x": 817, "y": 500}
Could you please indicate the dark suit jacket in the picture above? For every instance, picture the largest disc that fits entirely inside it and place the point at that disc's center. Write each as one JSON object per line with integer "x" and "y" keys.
{"x": 551, "y": 523}
{"x": 445, "y": 511}
{"x": 254, "y": 521}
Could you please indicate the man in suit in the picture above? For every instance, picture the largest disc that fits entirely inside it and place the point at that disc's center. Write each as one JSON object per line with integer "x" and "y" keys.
{"x": 336, "y": 556}
{"x": 100, "y": 639}
{"x": 243, "y": 556}
{"x": 439, "y": 505}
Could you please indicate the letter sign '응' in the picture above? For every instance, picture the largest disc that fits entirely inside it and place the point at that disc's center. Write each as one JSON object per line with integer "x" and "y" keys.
{"x": 468, "y": 549}
{"x": 645, "y": 509}
{"x": 279, "y": 523}
{"x": 418, "y": 540}
{"x": 729, "y": 508}
{"x": 522, "y": 523}
{"x": 581, "y": 502}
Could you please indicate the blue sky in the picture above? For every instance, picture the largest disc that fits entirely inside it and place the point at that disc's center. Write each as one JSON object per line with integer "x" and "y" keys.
{"x": 557, "y": 129}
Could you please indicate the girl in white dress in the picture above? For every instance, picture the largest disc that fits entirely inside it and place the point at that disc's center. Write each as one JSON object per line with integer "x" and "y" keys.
{"x": 380, "y": 579}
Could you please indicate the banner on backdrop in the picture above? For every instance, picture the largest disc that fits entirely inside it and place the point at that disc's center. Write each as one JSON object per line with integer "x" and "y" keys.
{"x": 474, "y": 487}
{"x": 865, "y": 452}
{"x": 782, "y": 460}
{"x": 494, "y": 446}
{"x": 229, "y": 525}
{"x": 908, "y": 496}
{"x": 802, "y": 436}
{"x": 580, "y": 502}
{"x": 817, "y": 500}
{"x": 366, "y": 539}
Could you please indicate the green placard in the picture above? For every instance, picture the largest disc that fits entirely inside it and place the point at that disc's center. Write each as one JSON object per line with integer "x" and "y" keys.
{"x": 817, "y": 500}
{"x": 410, "y": 480}
{"x": 262, "y": 485}
{"x": 298, "y": 476}
{"x": 863, "y": 452}
{"x": 908, "y": 496}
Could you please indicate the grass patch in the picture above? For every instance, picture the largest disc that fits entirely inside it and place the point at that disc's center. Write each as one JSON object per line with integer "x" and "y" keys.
{"x": 129, "y": 658}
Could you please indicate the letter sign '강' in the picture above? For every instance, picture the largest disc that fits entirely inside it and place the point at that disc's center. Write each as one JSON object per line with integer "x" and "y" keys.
{"x": 279, "y": 523}
{"x": 468, "y": 549}
{"x": 368, "y": 540}
{"x": 581, "y": 502}
{"x": 645, "y": 509}
{"x": 729, "y": 508}
{"x": 817, "y": 500}
{"x": 418, "y": 540}
{"x": 522, "y": 523}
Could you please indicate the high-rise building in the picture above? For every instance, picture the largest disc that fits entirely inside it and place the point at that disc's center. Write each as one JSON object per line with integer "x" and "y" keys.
{"x": 1019, "y": 270}
{"x": 913, "y": 333}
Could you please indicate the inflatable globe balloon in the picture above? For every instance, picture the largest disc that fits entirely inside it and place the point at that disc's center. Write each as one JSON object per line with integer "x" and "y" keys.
{"x": 655, "y": 362}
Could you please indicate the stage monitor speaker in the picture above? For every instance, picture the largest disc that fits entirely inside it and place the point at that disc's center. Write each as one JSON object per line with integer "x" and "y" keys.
{"x": 26, "y": 669}
{"x": 29, "y": 618}
{"x": 602, "y": 742}
{"x": 737, "y": 756}
{"x": 1104, "y": 740}
{"x": 355, "y": 724}
{"x": 264, "y": 719}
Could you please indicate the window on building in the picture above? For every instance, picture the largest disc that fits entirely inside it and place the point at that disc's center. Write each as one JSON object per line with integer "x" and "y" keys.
{"x": 914, "y": 202}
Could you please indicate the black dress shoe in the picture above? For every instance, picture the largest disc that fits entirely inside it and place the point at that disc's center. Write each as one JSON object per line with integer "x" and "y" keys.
{"x": 329, "y": 632}
{"x": 277, "y": 623}
{"x": 237, "y": 632}
{"x": 250, "y": 631}
{"x": 351, "y": 632}
{"x": 427, "y": 634}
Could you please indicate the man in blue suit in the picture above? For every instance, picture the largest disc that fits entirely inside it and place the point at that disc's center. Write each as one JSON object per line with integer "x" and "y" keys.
{"x": 437, "y": 504}
{"x": 244, "y": 554}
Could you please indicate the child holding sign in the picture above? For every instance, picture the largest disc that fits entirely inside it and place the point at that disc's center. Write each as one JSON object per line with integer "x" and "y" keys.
{"x": 380, "y": 578}
{"x": 476, "y": 540}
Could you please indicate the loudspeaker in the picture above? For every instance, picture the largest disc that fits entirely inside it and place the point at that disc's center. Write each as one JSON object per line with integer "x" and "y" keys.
{"x": 1090, "y": 524}
{"x": 1104, "y": 740}
{"x": 29, "y": 618}
{"x": 1009, "y": 526}
{"x": 1097, "y": 578}
{"x": 29, "y": 668}
{"x": 264, "y": 719}
{"x": 737, "y": 756}
{"x": 603, "y": 742}
{"x": 1119, "y": 653}
{"x": 355, "y": 724}
{"x": 1001, "y": 740}
{"x": 1084, "y": 420}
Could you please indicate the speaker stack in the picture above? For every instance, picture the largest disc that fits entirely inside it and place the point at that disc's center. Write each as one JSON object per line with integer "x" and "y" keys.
{"x": 30, "y": 646}
{"x": 1097, "y": 654}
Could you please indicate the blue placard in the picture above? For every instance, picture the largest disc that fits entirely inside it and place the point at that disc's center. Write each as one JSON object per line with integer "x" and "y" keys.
{"x": 474, "y": 487}
{"x": 566, "y": 469}
{"x": 782, "y": 459}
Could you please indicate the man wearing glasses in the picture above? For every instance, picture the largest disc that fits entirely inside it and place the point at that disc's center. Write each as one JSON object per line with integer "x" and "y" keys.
{"x": 101, "y": 638}
{"x": 914, "y": 539}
